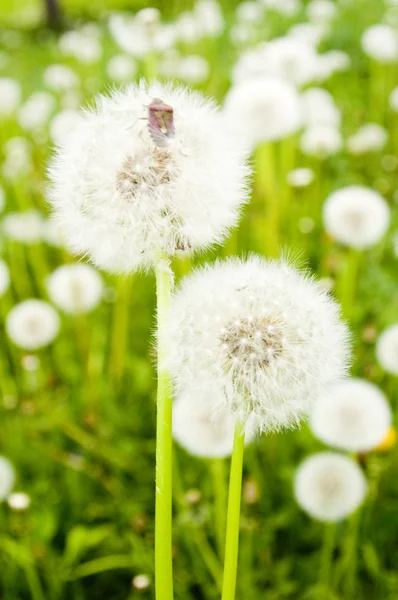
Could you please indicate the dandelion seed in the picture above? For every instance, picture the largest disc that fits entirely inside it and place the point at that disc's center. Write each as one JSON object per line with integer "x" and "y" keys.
{"x": 329, "y": 486}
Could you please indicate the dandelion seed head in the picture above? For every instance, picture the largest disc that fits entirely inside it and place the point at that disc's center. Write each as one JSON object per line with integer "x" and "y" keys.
{"x": 7, "y": 477}
{"x": 123, "y": 197}
{"x": 387, "y": 349}
{"x": 353, "y": 415}
{"x": 329, "y": 486}
{"x": 262, "y": 335}
{"x": 32, "y": 324}
{"x": 356, "y": 216}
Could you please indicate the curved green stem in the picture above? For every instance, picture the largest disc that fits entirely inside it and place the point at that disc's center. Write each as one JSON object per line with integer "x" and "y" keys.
{"x": 164, "y": 446}
{"x": 233, "y": 516}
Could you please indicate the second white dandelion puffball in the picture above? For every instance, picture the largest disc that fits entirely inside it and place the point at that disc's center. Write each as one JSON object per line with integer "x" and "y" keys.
{"x": 356, "y": 216}
{"x": 32, "y": 324}
{"x": 329, "y": 486}
{"x": 354, "y": 415}
{"x": 75, "y": 288}
{"x": 135, "y": 182}
{"x": 264, "y": 336}
{"x": 387, "y": 349}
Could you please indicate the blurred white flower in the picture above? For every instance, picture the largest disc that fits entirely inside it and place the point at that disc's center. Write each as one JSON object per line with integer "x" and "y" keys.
{"x": 318, "y": 107}
{"x": 329, "y": 486}
{"x": 353, "y": 415}
{"x": 260, "y": 335}
{"x": 356, "y": 216}
{"x": 300, "y": 177}
{"x": 64, "y": 124}
{"x": 249, "y": 11}
{"x": 2, "y": 199}
{"x": 191, "y": 69}
{"x": 370, "y": 137}
{"x": 336, "y": 61}
{"x": 380, "y": 42}
{"x": 187, "y": 28}
{"x": 290, "y": 8}
{"x": 394, "y": 100}
{"x": 172, "y": 192}
{"x": 308, "y": 32}
{"x": 121, "y": 68}
{"x": 18, "y": 501}
{"x": 4, "y": 277}
{"x": 242, "y": 34}
{"x": 32, "y": 324}
{"x": 209, "y": 15}
{"x": 25, "y": 227}
{"x": 75, "y": 288}
{"x": 306, "y": 224}
{"x": 263, "y": 110}
{"x": 84, "y": 45}
{"x": 387, "y": 349}
{"x": 321, "y": 11}
{"x": 199, "y": 429}
{"x": 36, "y": 111}
{"x": 7, "y": 477}
{"x": 60, "y": 78}
{"x": 141, "y": 34}
{"x": 321, "y": 140}
{"x": 18, "y": 158}
{"x": 286, "y": 58}
{"x": 141, "y": 582}
{"x": 10, "y": 96}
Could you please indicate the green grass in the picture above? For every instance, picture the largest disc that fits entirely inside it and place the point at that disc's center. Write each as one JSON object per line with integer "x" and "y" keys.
{"x": 82, "y": 439}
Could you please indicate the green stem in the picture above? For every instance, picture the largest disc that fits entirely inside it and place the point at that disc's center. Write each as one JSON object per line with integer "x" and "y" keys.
{"x": 351, "y": 557}
{"x": 327, "y": 553}
{"x": 233, "y": 516}
{"x": 267, "y": 188}
{"x": 347, "y": 283}
{"x": 164, "y": 446}
{"x": 220, "y": 502}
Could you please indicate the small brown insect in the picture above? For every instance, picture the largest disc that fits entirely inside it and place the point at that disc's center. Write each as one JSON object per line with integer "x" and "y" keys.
{"x": 160, "y": 122}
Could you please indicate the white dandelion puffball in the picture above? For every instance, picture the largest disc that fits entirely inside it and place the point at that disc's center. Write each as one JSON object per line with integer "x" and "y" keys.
{"x": 75, "y": 288}
{"x": 10, "y": 96}
{"x": 7, "y": 477}
{"x": 263, "y": 110}
{"x": 329, "y": 486}
{"x": 394, "y": 99}
{"x": 353, "y": 415}
{"x": 60, "y": 78}
{"x": 387, "y": 349}
{"x": 32, "y": 324}
{"x": 25, "y": 227}
{"x": 321, "y": 140}
{"x": 126, "y": 190}
{"x": 4, "y": 277}
{"x": 370, "y": 137}
{"x": 356, "y": 216}
{"x": 381, "y": 43}
{"x": 201, "y": 431}
{"x": 262, "y": 335}
{"x": 300, "y": 177}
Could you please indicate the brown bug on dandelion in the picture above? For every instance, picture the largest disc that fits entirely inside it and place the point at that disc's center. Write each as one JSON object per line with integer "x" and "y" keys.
{"x": 160, "y": 122}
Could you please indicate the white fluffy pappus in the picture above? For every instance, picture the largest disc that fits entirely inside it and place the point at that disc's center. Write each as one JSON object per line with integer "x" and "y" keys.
{"x": 75, "y": 288}
{"x": 262, "y": 335}
{"x": 321, "y": 140}
{"x": 32, "y": 324}
{"x": 380, "y": 42}
{"x": 370, "y": 137}
{"x": 10, "y": 96}
{"x": 263, "y": 110}
{"x": 7, "y": 477}
{"x": 356, "y": 216}
{"x": 329, "y": 486}
{"x": 387, "y": 349}
{"x": 201, "y": 430}
{"x": 4, "y": 277}
{"x": 122, "y": 199}
{"x": 353, "y": 415}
